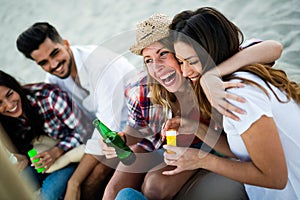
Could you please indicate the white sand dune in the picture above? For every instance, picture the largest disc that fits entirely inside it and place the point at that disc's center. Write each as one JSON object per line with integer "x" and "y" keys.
{"x": 97, "y": 22}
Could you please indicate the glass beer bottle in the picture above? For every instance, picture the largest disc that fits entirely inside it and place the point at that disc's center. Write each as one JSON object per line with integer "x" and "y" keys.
{"x": 111, "y": 138}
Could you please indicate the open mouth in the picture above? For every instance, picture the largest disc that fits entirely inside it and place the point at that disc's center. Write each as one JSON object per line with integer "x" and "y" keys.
{"x": 169, "y": 78}
{"x": 13, "y": 110}
{"x": 59, "y": 69}
{"x": 194, "y": 77}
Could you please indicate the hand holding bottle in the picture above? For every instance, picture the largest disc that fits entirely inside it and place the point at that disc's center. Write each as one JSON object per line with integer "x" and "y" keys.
{"x": 112, "y": 139}
{"x": 32, "y": 154}
{"x": 108, "y": 151}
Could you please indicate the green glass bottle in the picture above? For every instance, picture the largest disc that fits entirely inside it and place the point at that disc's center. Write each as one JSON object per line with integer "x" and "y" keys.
{"x": 111, "y": 138}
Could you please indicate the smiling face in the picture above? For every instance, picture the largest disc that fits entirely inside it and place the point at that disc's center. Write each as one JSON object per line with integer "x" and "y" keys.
{"x": 10, "y": 102}
{"x": 163, "y": 66}
{"x": 54, "y": 58}
{"x": 190, "y": 64}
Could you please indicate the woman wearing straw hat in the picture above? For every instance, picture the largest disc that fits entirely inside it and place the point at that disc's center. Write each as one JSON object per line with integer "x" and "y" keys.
{"x": 154, "y": 46}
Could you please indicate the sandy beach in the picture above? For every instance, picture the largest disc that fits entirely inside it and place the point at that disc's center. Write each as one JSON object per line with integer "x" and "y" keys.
{"x": 103, "y": 22}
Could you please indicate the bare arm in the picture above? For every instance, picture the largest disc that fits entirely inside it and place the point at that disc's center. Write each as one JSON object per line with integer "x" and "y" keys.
{"x": 267, "y": 167}
{"x": 214, "y": 138}
{"x": 264, "y": 52}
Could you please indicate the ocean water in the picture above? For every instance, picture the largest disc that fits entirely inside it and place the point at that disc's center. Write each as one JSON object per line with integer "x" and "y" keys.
{"x": 110, "y": 23}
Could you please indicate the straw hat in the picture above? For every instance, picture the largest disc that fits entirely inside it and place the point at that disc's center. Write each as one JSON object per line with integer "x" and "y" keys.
{"x": 155, "y": 28}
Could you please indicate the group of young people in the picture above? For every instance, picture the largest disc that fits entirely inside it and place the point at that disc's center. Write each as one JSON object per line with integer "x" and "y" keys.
{"x": 233, "y": 136}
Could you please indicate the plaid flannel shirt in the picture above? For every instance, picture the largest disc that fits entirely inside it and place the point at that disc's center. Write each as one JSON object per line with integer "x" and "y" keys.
{"x": 60, "y": 119}
{"x": 143, "y": 115}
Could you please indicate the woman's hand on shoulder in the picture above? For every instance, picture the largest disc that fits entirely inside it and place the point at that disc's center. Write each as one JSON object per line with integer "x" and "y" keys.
{"x": 215, "y": 91}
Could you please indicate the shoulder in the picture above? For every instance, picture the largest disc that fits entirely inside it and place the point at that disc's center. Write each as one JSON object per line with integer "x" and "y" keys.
{"x": 83, "y": 48}
{"x": 81, "y": 53}
{"x": 43, "y": 89}
{"x": 250, "y": 42}
{"x": 248, "y": 76}
{"x": 137, "y": 84}
{"x": 139, "y": 78}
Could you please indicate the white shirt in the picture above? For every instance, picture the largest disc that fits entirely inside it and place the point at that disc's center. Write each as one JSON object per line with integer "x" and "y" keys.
{"x": 286, "y": 116}
{"x": 103, "y": 76}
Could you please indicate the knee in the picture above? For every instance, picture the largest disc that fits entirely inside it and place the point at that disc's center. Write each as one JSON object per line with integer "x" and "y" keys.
{"x": 95, "y": 183}
{"x": 100, "y": 173}
{"x": 204, "y": 186}
{"x": 156, "y": 190}
{"x": 102, "y": 170}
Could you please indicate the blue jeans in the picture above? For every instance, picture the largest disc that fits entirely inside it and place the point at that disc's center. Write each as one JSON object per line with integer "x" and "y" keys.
{"x": 53, "y": 185}
{"x": 130, "y": 194}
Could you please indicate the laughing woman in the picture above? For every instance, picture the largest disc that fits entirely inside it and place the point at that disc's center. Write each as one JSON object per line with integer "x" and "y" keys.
{"x": 166, "y": 80}
{"x": 31, "y": 111}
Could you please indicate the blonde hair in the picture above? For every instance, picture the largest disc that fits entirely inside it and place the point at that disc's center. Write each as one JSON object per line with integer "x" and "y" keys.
{"x": 159, "y": 95}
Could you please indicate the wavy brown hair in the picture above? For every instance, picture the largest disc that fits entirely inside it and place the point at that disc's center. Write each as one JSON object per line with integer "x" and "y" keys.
{"x": 216, "y": 39}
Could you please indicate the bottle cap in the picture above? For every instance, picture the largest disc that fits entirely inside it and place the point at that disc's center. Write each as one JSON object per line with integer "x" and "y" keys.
{"x": 171, "y": 132}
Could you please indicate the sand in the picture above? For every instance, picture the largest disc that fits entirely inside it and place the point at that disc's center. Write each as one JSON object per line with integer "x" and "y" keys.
{"x": 102, "y": 22}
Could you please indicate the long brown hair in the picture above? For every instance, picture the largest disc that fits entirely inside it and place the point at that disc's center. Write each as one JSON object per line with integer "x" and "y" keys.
{"x": 21, "y": 137}
{"x": 216, "y": 39}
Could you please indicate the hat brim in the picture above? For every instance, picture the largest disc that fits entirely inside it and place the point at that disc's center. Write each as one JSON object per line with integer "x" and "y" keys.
{"x": 138, "y": 47}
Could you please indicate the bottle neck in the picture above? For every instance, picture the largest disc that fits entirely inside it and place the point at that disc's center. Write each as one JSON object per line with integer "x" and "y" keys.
{"x": 104, "y": 130}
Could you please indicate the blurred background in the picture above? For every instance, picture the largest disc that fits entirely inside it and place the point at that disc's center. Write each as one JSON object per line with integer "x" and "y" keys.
{"x": 101, "y": 22}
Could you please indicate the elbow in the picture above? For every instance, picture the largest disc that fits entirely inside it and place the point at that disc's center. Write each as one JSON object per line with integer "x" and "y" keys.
{"x": 278, "y": 48}
{"x": 280, "y": 185}
{"x": 280, "y": 181}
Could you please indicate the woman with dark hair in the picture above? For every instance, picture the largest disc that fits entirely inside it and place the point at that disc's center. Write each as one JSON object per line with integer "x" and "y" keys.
{"x": 31, "y": 111}
{"x": 264, "y": 141}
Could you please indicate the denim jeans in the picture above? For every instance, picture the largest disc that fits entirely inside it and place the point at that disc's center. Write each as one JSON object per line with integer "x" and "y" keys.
{"x": 130, "y": 194}
{"x": 53, "y": 185}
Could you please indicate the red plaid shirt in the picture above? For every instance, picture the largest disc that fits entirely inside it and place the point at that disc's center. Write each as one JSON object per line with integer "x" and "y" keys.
{"x": 148, "y": 118}
{"x": 60, "y": 119}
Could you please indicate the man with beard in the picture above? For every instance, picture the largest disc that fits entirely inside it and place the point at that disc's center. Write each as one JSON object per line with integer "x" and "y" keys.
{"x": 95, "y": 78}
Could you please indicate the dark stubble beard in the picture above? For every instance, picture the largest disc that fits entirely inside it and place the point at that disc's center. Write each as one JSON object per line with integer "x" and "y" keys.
{"x": 68, "y": 70}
